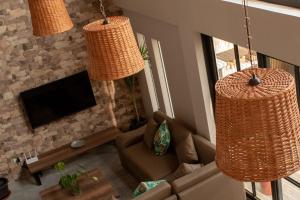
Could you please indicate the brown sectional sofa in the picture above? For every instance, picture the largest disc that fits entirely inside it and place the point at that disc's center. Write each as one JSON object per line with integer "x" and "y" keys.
{"x": 206, "y": 183}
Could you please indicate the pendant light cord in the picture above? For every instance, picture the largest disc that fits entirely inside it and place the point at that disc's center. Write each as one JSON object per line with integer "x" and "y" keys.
{"x": 248, "y": 31}
{"x": 254, "y": 81}
{"x": 102, "y": 11}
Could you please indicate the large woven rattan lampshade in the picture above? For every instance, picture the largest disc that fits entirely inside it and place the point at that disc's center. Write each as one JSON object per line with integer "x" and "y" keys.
{"x": 112, "y": 49}
{"x": 49, "y": 17}
{"x": 258, "y": 127}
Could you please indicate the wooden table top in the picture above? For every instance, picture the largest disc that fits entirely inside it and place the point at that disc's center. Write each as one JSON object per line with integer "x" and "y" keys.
{"x": 62, "y": 153}
{"x": 90, "y": 189}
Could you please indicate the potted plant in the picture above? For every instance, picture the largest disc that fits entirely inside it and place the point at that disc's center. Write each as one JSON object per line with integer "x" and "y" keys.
{"x": 69, "y": 182}
{"x": 130, "y": 83}
{"x": 4, "y": 191}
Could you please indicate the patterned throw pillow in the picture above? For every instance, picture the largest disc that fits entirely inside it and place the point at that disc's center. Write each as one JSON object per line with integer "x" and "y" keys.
{"x": 146, "y": 186}
{"x": 162, "y": 139}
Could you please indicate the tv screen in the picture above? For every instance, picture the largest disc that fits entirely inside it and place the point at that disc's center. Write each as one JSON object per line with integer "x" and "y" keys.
{"x": 63, "y": 97}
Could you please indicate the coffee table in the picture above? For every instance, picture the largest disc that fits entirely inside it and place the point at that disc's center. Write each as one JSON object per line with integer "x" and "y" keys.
{"x": 90, "y": 189}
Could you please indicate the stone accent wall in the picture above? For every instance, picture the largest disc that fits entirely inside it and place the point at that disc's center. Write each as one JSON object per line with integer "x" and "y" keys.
{"x": 27, "y": 61}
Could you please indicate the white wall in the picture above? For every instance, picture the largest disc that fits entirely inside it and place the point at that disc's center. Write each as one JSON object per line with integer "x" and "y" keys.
{"x": 181, "y": 21}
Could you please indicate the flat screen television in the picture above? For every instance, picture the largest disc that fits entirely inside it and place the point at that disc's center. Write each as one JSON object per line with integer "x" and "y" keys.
{"x": 57, "y": 99}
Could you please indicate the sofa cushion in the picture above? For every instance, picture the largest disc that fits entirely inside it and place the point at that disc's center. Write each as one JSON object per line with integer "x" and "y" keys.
{"x": 146, "y": 165}
{"x": 162, "y": 139}
{"x": 151, "y": 129}
{"x": 184, "y": 144}
{"x": 182, "y": 170}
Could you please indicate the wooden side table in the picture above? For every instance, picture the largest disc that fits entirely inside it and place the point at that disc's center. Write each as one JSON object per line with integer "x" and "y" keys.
{"x": 90, "y": 189}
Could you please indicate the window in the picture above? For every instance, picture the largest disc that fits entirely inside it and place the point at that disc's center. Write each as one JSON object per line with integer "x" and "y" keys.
{"x": 148, "y": 74}
{"x": 223, "y": 58}
{"x": 160, "y": 65}
{"x": 290, "y": 185}
{"x": 291, "y": 3}
{"x": 231, "y": 58}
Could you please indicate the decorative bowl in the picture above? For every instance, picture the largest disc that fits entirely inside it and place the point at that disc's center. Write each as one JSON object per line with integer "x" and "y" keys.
{"x": 77, "y": 144}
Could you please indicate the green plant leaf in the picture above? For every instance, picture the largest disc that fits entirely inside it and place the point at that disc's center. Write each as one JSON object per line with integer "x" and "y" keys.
{"x": 60, "y": 166}
{"x": 144, "y": 51}
{"x": 130, "y": 82}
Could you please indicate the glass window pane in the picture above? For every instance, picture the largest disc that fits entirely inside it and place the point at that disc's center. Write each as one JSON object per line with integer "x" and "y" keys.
{"x": 245, "y": 58}
{"x": 225, "y": 57}
{"x": 148, "y": 72}
{"x": 290, "y": 191}
{"x": 248, "y": 186}
{"x": 278, "y": 64}
{"x": 296, "y": 177}
{"x": 158, "y": 55}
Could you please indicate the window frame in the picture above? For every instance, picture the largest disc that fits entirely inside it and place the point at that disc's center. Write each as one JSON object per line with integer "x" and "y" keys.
{"x": 290, "y": 3}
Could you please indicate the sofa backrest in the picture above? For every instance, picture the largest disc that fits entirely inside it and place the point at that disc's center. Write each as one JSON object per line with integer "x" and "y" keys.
{"x": 159, "y": 117}
{"x": 216, "y": 187}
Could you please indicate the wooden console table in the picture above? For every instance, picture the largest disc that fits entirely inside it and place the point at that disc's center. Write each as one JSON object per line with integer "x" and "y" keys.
{"x": 90, "y": 189}
{"x": 65, "y": 152}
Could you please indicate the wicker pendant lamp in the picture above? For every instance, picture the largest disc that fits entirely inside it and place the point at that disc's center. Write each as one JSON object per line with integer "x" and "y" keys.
{"x": 112, "y": 49}
{"x": 49, "y": 17}
{"x": 258, "y": 124}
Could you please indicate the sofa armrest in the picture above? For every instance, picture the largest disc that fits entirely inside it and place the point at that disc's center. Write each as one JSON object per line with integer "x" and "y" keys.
{"x": 216, "y": 187}
{"x": 195, "y": 177}
{"x": 173, "y": 197}
{"x": 160, "y": 192}
{"x": 129, "y": 138}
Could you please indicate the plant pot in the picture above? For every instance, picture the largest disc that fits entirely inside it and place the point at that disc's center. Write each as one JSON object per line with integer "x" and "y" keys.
{"x": 4, "y": 191}
{"x": 135, "y": 124}
{"x": 266, "y": 188}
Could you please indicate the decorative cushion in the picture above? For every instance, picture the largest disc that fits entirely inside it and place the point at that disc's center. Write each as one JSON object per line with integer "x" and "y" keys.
{"x": 151, "y": 129}
{"x": 186, "y": 151}
{"x": 183, "y": 170}
{"x": 162, "y": 139}
{"x": 146, "y": 186}
{"x": 184, "y": 144}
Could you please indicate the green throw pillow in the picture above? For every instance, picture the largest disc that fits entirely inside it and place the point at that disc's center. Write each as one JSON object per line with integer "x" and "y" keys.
{"x": 146, "y": 186}
{"x": 162, "y": 139}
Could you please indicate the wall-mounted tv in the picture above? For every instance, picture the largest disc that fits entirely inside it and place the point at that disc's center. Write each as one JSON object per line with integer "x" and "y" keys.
{"x": 57, "y": 99}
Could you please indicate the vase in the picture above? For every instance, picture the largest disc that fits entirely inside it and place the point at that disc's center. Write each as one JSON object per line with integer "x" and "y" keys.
{"x": 266, "y": 188}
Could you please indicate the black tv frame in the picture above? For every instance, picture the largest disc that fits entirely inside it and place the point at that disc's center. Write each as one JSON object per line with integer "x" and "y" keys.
{"x": 26, "y": 92}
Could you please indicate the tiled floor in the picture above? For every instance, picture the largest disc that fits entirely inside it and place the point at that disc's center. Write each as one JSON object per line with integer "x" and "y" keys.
{"x": 105, "y": 157}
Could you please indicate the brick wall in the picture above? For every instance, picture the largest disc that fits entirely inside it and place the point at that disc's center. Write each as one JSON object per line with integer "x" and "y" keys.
{"x": 27, "y": 61}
